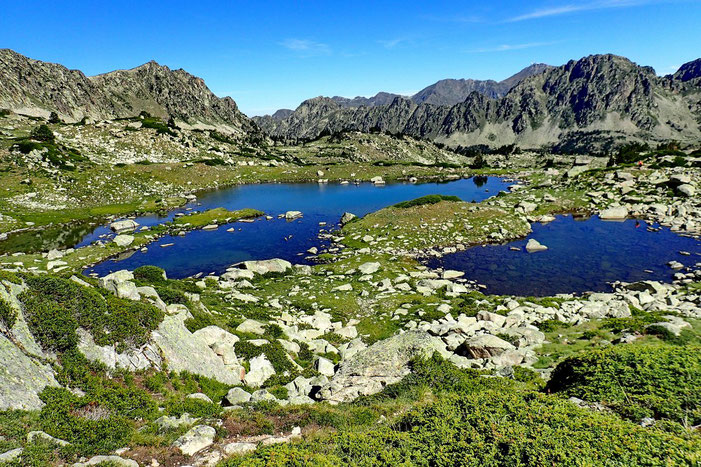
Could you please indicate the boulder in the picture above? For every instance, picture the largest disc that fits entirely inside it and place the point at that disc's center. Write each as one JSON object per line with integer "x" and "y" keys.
{"x": 171, "y": 423}
{"x": 9, "y": 456}
{"x": 123, "y": 240}
{"x": 347, "y": 217}
{"x": 268, "y": 265}
{"x": 261, "y": 370}
{"x": 22, "y": 378}
{"x": 184, "y": 351}
{"x": 485, "y": 346}
{"x": 686, "y": 190}
{"x": 262, "y": 395}
{"x": 534, "y": 245}
{"x": 213, "y": 335}
{"x": 324, "y": 366}
{"x": 289, "y": 215}
{"x": 614, "y": 213}
{"x": 237, "y": 396}
{"x": 43, "y": 436}
{"x": 385, "y": 362}
{"x": 196, "y": 439}
{"x": 251, "y": 326}
{"x": 143, "y": 358}
{"x": 115, "y": 461}
{"x": 123, "y": 226}
{"x": 369, "y": 268}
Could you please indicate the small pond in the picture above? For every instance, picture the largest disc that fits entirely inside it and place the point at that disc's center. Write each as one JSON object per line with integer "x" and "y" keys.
{"x": 582, "y": 255}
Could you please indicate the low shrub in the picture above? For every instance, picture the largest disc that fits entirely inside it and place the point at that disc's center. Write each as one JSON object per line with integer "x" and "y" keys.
{"x": 428, "y": 199}
{"x": 88, "y": 426}
{"x": 150, "y": 274}
{"x": 42, "y": 133}
{"x": 8, "y": 315}
{"x": 56, "y": 307}
{"x": 489, "y": 428}
{"x": 636, "y": 381}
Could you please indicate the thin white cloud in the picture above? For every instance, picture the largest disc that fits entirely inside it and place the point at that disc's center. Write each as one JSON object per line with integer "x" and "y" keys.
{"x": 574, "y": 8}
{"x": 391, "y": 43}
{"x": 508, "y": 47}
{"x": 306, "y": 47}
{"x": 454, "y": 18}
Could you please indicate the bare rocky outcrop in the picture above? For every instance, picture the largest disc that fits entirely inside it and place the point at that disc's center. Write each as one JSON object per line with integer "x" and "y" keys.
{"x": 385, "y": 362}
{"x": 37, "y": 88}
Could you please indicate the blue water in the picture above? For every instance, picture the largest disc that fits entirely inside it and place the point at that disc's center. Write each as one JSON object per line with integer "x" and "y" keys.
{"x": 583, "y": 255}
{"x": 212, "y": 251}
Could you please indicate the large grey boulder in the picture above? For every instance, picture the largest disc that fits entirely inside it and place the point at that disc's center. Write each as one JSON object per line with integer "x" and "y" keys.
{"x": 126, "y": 225}
{"x": 369, "y": 268}
{"x": 123, "y": 240}
{"x": 614, "y": 213}
{"x": 9, "y": 456}
{"x": 347, "y": 217}
{"x": 385, "y": 362}
{"x": 534, "y": 245}
{"x": 22, "y": 378}
{"x": 266, "y": 266}
{"x": 485, "y": 346}
{"x": 196, "y": 439}
{"x": 184, "y": 351}
{"x": 261, "y": 370}
{"x": 237, "y": 396}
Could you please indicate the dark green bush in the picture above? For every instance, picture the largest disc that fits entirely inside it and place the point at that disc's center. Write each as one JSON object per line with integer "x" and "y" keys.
{"x": 157, "y": 124}
{"x": 428, "y": 199}
{"x": 636, "y": 381}
{"x": 550, "y": 325}
{"x": 170, "y": 295}
{"x": 56, "y": 307}
{"x": 42, "y": 133}
{"x": 150, "y": 274}
{"x": 8, "y": 315}
{"x": 54, "y": 118}
{"x": 90, "y": 427}
{"x": 489, "y": 428}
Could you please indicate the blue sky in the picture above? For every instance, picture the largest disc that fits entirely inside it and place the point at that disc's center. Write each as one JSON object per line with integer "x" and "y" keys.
{"x": 273, "y": 54}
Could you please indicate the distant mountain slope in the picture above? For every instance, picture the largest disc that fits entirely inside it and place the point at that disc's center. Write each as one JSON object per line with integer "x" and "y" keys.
{"x": 454, "y": 91}
{"x": 603, "y": 96}
{"x": 37, "y": 88}
{"x": 689, "y": 71}
{"x": 443, "y": 92}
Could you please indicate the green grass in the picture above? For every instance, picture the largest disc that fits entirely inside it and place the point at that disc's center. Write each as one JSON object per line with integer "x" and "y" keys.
{"x": 217, "y": 216}
{"x": 428, "y": 199}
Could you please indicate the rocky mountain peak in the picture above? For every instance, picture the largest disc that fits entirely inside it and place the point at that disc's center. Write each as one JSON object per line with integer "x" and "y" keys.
{"x": 37, "y": 88}
{"x": 689, "y": 71}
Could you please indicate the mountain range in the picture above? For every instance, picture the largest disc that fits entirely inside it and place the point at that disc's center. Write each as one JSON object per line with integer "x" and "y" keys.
{"x": 593, "y": 103}
{"x": 588, "y": 104}
{"x": 443, "y": 92}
